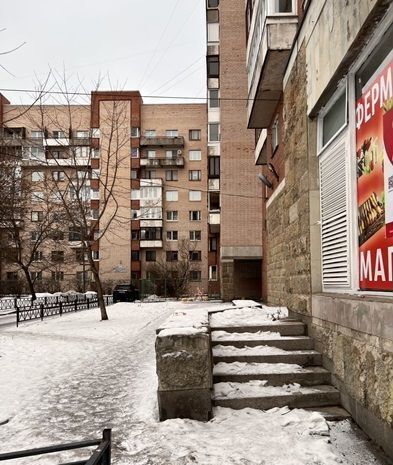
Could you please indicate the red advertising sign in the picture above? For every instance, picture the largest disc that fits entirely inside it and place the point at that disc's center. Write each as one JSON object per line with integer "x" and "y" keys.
{"x": 374, "y": 156}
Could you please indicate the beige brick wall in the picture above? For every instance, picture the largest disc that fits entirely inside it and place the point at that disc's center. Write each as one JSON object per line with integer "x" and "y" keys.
{"x": 182, "y": 117}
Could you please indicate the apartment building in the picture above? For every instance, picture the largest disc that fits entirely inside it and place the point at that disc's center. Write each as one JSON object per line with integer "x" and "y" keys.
{"x": 320, "y": 102}
{"x": 137, "y": 173}
{"x": 235, "y": 216}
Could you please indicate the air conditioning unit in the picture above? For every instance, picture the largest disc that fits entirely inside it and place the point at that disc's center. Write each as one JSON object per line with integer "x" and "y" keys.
{"x": 179, "y": 152}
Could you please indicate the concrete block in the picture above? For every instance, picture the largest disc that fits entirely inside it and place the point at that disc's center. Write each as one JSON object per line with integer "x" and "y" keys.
{"x": 195, "y": 404}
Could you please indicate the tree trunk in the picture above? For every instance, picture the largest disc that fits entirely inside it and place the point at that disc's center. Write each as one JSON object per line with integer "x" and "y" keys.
{"x": 99, "y": 289}
{"x": 30, "y": 283}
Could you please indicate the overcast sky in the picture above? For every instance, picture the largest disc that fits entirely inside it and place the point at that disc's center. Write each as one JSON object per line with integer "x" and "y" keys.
{"x": 155, "y": 46}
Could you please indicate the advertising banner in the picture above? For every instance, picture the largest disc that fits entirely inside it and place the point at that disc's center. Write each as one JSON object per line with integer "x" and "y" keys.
{"x": 374, "y": 156}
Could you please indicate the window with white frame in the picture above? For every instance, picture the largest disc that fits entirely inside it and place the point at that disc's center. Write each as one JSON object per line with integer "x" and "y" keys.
{"x": 282, "y": 6}
{"x": 81, "y": 134}
{"x": 151, "y": 213}
{"x": 37, "y": 153}
{"x": 214, "y": 132}
{"x": 172, "y": 215}
{"x": 95, "y": 254}
{"x": 172, "y": 133}
{"x": 135, "y": 153}
{"x": 135, "y": 194}
{"x": 194, "y": 175}
{"x": 58, "y": 175}
{"x": 150, "y": 133}
{"x": 37, "y": 134}
{"x": 37, "y": 216}
{"x": 195, "y": 215}
{"x": 214, "y": 101}
{"x": 172, "y": 235}
{"x": 135, "y": 132}
{"x": 333, "y": 119}
{"x": 195, "y": 155}
{"x": 37, "y": 176}
{"x": 37, "y": 196}
{"x": 82, "y": 152}
{"x": 213, "y": 275}
{"x": 172, "y": 196}
{"x": 194, "y": 196}
{"x": 59, "y": 134}
{"x": 194, "y": 134}
{"x": 151, "y": 154}
{"x": 213, "y": 32}
{"x": 195, "y": 235}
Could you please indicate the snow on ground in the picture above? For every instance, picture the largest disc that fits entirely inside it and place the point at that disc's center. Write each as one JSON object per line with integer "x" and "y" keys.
{"x": 226, "y": 351}
{"x": 256, "y": 388}
{"x": 254, "y": 368}
{"x": 258, "y": 335}
{"x": 248, "y": 316}
{"x": 67, "y": 378}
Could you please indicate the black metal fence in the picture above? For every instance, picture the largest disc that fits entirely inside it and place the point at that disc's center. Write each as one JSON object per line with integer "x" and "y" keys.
{"x": 26, "y": 309}
{"x": 100, "y": 456}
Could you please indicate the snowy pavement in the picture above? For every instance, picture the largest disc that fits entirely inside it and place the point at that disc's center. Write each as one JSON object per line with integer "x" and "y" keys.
{"x": 65, "y": 379}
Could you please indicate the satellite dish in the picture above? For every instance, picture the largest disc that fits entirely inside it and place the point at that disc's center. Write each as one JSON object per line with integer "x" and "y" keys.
{"x": 265, "y": 180}
{"x": 273, "y": 170}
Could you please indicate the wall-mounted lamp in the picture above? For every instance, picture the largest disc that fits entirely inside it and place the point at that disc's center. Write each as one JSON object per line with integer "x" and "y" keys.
{"x": 273, "y": 170}
{"x": 265, "y": 180}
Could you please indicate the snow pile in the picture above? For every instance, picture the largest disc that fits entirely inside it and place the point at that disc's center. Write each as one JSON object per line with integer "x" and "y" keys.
{"x": 187, "y": 321}
{"x": 256, "y": 388}
{"x": 248, "y": 316}
{"x": 228, "y": 351}
{"x": 258, "y": 335}
{"x": 244, "y": 368}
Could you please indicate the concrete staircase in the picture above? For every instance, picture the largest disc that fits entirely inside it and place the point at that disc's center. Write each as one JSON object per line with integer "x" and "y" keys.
{"x": 258, "y": 366}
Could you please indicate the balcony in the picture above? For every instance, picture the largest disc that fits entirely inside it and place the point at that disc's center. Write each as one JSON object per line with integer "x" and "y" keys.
{"x": 150, "y": 223}
{"x": 269, "y": 44}
{"x": 63, "y": 142}
{"x": 12, "y": 137}
{"x": 150, "y": 244}
{"x": 214, "y": 221}
{"x": 162, "y": 162}
{"x": 162, "y": 141}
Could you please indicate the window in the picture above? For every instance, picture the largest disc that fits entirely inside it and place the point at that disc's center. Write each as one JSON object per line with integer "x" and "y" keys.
{"x": 172, "y": 256}
{"x": 135, "y": 255}
{"x": 37, "y": 216}
{"x": 37, "y": 176}
{"x": 37, "y": 153}
{"x": 172, "y": 196}
{"x": 171, "y": 175}
{"x": 214, "y": 167}
{"x": 74, "y": 234}
{"x": 172, "y": 215}
{"x": 36, "y": 275}
{"x": 135, "y": 132}
{"x": 171, "y": 235}
{"x": 212, "y": 244}
{"x": 135, "y": 153}
{"x": 57, "y": 235}
{"x": 170, "y": 154}
{"x": 82, "y": 152}
{"x": 151, "y": 154}
{"x": 150, "y": 255}
{"x": 57, "y": 256}
{"x": 213, "y": 276}
{"x": 134, "y": 174}
{"x": 195, "y": 255}
{"x": 275, "y": 134}
{"x": 37, "y": 196}
{"x": 34, "y": 235}
{"x": 194, "y": 196}
{"x": 282, "y": 6}
{"x": 11, "y": 254}
{"x": 195, "y": 275}
{"x": 151, "y": 213}
{"x": 135, "y": 194}
{"x": 214, "y": 132}
{"x": 213, "y": 66}
{"x": 212, "y": 3}
{"x": 194, "y": 134}
{"x": 194, "y": 175}
{"x": 151, "y": 234}
{"x": 195, "y": 235}
{"x": 95, "y": 213}
{"x": 37, "y": 134}
{"x": 81, "y": 134}
{"x": 195, "y": 155}
{"x": 213, "y": 32}
{"x": 150, "y": 174}
{"x": 58, "y": 175}
{"x": 58, "y": 275}
{"x": 58, "y": 134}
{"x": 95, "y": 174}
{"x": 37, "y": 256}
{"x": 334, "y": 119}
{"x": 95, "y": 254}
{"x": 80, "y": 255}
{"x": 135, "y": 234}
{"x": 12, "y": 276}
{"x": 95, "y": 153}
{"x": 214, "y": 101}
{"x": 213, "y": 16}
{"x": 150, "y": 133}
{"x": 195, "y": 215}
{"x": 135, "y": 214}
{"x": 172, "y": 133}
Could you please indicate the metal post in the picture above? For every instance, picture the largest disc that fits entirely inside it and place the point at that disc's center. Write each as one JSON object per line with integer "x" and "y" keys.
{"x": 76, "y": 305}
{"x": 42, "y": 311}
{"x": 107, "y": 436}
{"x": 17, "y": 316}
{"x": 61, "y": 308}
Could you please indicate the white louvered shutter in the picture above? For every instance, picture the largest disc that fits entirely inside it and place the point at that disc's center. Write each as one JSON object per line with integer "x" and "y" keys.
{"x": 334, "y": 192}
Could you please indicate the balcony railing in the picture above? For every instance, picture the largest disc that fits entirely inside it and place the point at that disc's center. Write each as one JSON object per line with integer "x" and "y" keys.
{"x": 162, "y": 141}
{"x": 162, "y": 162}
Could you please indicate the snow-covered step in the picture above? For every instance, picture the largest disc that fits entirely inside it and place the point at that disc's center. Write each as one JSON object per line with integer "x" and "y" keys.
{"x": 331, "y": 413}
{"x": 284, "y": 328}
{"x": 255, "y": 394}
{"x": 266, "y": 338}
{"x": 265, "y": 354}
{"x": 276, "y": 374}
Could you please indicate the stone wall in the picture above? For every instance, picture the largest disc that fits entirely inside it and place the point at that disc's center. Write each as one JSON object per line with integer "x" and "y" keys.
{"x": 355, "y": 336}
{"x": 288, "y": 224}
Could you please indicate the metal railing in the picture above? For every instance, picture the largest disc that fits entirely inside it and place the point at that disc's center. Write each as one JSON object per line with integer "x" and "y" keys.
{"x": 26, "y": 309}
{"x": 100, "y": 456}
